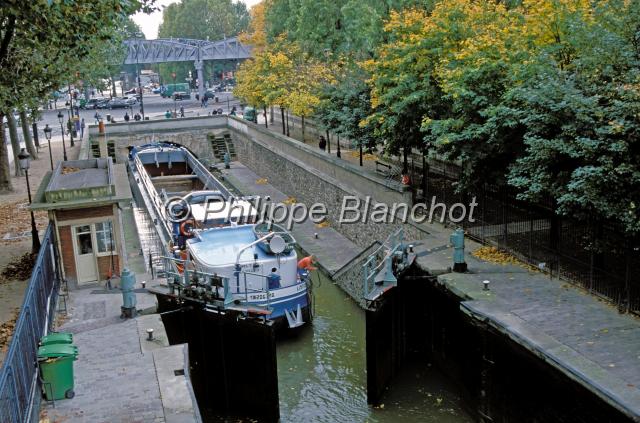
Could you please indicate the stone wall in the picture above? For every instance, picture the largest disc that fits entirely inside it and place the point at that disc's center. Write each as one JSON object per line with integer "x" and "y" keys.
{"x": 190, "y": 132}
{"x": 291, "y": 168}
{"x": 351, "y": 277}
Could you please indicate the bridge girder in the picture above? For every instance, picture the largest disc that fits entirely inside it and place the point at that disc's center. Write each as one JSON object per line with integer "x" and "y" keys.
{"x": 177, "y": 50}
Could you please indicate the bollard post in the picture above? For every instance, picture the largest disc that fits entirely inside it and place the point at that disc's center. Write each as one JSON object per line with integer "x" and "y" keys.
{"x": 457, "y": 241}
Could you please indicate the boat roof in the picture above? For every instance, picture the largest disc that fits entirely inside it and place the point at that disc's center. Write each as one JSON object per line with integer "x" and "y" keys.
{"x": 220, "y": 247}
{"x": 216, "y": 210}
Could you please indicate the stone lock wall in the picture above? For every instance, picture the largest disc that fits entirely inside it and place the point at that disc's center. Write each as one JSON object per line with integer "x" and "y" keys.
{"x": 309, "y": 185}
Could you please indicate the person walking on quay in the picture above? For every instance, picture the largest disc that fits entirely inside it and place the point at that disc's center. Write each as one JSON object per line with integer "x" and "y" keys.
{"x": 167, "y": 114}
{"x": 137, "y": 117}
{"x": 126, "y": 116}
{"x": 181, "y": 111}
{"x": 323, "y": 143}
{"x": 82, "y": 126}
{"x": 97, "y": 117}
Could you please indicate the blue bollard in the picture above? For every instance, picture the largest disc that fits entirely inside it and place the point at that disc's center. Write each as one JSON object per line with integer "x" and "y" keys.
{"x": 457, "y": 240}
{"x": 127, "y": 283}
{"x": 227, "y": 160}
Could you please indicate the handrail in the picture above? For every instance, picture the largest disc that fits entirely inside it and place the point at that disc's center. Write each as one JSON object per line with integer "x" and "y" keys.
{"x": 19, "y": 397}
{"x": 374, "y": 264}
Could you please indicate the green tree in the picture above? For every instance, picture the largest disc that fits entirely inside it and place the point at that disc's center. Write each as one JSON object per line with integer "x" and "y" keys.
{"x": 211, "y": 20}
{"x": 40, "y": 43}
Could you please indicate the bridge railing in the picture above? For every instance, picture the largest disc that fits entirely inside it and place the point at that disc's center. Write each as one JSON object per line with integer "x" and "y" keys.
{"x": 19, "y": 382}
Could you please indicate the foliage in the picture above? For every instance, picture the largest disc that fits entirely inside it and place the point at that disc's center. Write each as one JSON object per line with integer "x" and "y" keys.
{"x": 284, "y": 75}
{"x": 41, "y": 42}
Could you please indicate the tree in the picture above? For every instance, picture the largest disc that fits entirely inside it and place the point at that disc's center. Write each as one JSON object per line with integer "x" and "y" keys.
{"x": 211, "y": 20}
{"x": 40, "y": 42}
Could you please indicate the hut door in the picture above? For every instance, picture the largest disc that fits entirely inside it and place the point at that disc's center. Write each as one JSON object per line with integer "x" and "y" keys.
{"x": 85, "y": 256}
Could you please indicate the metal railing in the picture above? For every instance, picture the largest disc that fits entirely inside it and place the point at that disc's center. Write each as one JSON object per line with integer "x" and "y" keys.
{"x": 381, "y": 258}
{"x": 19, "y": 396}
{"x": 591, "y": 254}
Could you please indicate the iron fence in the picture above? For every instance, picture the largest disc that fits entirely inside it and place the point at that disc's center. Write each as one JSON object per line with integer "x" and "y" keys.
{"x": 19, "y": 396}
{"x": 593, "y": 255}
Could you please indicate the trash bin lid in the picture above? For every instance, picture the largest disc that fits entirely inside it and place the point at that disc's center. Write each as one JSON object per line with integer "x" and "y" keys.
{"x": 57, "y": 338}
{"x": 57, "y": 350}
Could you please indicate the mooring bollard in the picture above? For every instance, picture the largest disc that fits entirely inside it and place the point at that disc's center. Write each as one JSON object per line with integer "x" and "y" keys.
{"x": 457, "y": 240}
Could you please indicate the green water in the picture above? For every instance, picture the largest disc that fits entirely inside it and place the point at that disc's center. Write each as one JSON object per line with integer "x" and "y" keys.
{"x": 321, "y": 372}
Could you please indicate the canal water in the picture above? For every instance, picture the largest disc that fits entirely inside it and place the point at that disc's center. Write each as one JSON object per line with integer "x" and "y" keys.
{"x": 321, "y": 372}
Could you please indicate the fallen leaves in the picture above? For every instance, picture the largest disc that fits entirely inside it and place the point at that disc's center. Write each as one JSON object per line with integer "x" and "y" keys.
{"x": 323, "y": 224}
{"x": 496, "y": 256}
{"x": 262, "y": 181}
{"x": 6, "y": 329}
{"x": 66, "y": 170}
{"x": 20, "y": 268}
{"x": 290, "y": 201}
{"x": 15, "y": 219}
{"x": 365, "y": 156}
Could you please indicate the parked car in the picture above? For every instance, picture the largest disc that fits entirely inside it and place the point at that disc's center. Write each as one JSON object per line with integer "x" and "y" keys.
{"x": 156, "y": 90}
{"x": 131, "y": 99}
{"x": 209, "y": 94}
{"x": 95, "y": 103}
{"x": 181, "y": 95}
{"x": 131, "y": 91}
{"x": 118, "y": 103}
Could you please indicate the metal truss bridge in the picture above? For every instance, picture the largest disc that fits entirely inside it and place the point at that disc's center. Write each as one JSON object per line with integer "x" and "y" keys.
{"x": 141, "y": 51}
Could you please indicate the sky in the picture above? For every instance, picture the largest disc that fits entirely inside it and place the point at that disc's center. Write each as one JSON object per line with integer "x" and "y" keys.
{"x": 150, "y": 23}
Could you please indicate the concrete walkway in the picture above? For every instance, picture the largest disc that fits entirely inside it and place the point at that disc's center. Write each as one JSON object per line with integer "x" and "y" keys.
{"x": 120, "y": 376}
{"x": 575, "y": 332}
{"x": 332, "y": 249}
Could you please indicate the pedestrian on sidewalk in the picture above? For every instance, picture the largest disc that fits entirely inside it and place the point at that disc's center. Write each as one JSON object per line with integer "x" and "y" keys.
{"x": 82, "y": 125}
{"x": 137, "y": 117}
{"x": 126, "y": 117}
{"x": 97, "y": 118}
{"x": 181, "y": 111}
{"x": 323, "y": 143}
{"x": 167, "y": 114}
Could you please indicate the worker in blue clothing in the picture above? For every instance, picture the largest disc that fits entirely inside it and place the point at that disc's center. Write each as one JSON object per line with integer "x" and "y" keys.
{"x": 274, "y": 279}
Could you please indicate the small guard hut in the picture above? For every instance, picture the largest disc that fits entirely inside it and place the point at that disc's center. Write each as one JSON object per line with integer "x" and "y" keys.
{"x": 84, "y": 200}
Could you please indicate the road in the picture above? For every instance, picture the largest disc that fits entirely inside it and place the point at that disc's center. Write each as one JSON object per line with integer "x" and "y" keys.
{"x": 154, "y": 106}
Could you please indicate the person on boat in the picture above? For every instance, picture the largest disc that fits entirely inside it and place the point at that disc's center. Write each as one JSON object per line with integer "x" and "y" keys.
{"x": 305, "y": 265}
{"x": 274, "y": 279}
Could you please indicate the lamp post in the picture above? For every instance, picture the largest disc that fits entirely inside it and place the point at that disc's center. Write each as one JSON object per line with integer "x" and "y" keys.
{"x": 71, "y": 126}
{"x": 175, "y": 107}
{"x": 24, "y": 158}
{"x": 64, "y": 149}
{"x": 47, "y": 135}
{"x": 139, "y": 35}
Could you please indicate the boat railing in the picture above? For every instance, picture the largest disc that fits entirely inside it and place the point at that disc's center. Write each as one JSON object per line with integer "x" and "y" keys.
{"x": 382, "y": 259}
{"x": 178, "y": 272}
{"x": 155, "y": 197}
{"x": 264, "y": 291}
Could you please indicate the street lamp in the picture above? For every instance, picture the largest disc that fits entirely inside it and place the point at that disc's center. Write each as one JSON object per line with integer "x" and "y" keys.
{"x": 47, "y": 135}
{"x": 175, "y": 106}
{"x": 24, "y": 158}
{"x": 64, "y": 149}
{"x": 71, "y": 115}
{"x": 139, "y": 35}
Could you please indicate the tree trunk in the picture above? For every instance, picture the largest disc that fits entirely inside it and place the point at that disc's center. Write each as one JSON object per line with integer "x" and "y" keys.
{"x": 15, "y": 143}
{"x": 266, "y": 124}
{"x": 284, "y": 129}
{"x": 271, "y": 115}
{"x": 360, "y": 145}
{"x": 328, "y": 142}
{"x": 302, "y": 128}
{"x": 27, "y": 135}
{"x": 113, "y": 87}
{"x": 5, "y": 172}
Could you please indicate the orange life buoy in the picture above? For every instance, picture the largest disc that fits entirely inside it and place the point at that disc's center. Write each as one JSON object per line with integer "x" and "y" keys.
{"x": 186, "y": 227}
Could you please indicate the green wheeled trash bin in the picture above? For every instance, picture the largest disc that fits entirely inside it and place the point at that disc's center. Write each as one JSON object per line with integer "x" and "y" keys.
{"x": 57, "y": 338}
{"x": 56, "y": 367}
